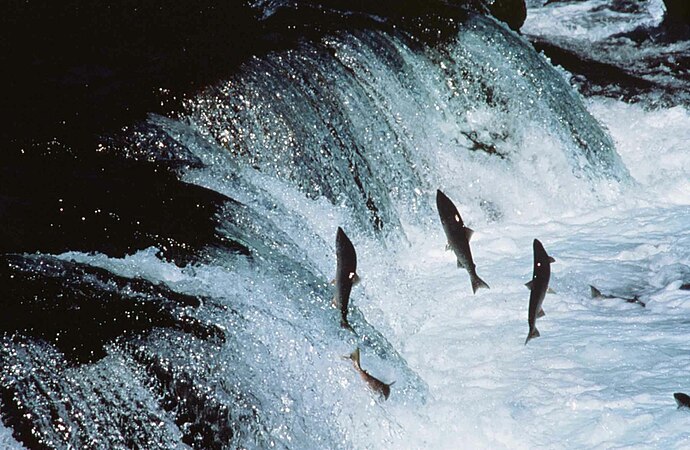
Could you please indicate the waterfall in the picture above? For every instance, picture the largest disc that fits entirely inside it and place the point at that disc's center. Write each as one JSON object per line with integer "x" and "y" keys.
{"x": 235, "y": 343}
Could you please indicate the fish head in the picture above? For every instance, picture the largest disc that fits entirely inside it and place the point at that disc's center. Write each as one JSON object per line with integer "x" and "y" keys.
{"x": 541, "y": 258}
{"x": 447, "y": 210}
{"x": 683, "y": 400}
{"x": 347, "y": 256}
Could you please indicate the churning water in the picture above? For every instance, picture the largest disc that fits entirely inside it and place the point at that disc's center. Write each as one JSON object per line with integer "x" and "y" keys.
{"x": 358, "y": 130}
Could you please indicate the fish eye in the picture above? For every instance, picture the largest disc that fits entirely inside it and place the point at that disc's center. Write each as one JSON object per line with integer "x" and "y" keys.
{"x": 538, "y": 264}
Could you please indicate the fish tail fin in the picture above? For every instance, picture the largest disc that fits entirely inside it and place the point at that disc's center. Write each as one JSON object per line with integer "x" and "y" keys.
{"x": 478, "y": 283}
{"x": 345, "y": 324}
{"x": 596, "y": 293}
{"x": 354, "y": 356}
{"x": 533, "y": 332}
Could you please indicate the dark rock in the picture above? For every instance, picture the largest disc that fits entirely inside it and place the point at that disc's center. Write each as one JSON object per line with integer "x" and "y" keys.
{"x": 512, "y": 12}
{"x": 677, "y": 10}
{"x": 74, "y": 70}
{"x": 53, "y": 201}
{"x": 594, "y": 77}
{"x": 79, "y": 308}
{"x": 89, "y": 359}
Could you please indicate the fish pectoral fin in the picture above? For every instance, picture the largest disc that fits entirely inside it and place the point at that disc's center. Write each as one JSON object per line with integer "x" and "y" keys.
{"x": 550, "y": 291}
{"x": 468, "y": 233}
{"x": 448, "y": 247}
{"x": 356, "y": 279}
{"x": 552, "y": 259}
{"x": 529, "y": 284}
{"x": 333, "y": 281}
{"x": 461, "y": 265}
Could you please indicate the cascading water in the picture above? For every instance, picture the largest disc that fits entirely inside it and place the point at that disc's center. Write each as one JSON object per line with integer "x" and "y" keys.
{"x": 237, "y": 345}
{"x": 369, "y": 120}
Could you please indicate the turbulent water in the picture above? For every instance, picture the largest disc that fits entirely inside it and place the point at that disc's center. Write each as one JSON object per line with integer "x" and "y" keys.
{"x": 241, "y": 348}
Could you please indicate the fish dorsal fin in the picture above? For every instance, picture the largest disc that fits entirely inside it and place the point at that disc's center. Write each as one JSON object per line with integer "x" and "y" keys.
{"x": 529, "y": 284}
{"x": 596, "y": 293}
{"x": 448, "y": 248}
{"x": 552, "y": 259}
{"x": 468, "y": 233}
{"x": 333, "y": 281}
{"x": 550, "y": 291}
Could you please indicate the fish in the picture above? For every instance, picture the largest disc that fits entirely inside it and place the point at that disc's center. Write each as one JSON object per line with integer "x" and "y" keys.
{"x": 541, "y": 312}
{"x": 458, "y": 236}
{"x": 345, "y": 275}
{"x": 538, "y": 286}
{"x": 374, "y": 383}
{"x": 682, "y": 400}
{"x": 596, "y": 293}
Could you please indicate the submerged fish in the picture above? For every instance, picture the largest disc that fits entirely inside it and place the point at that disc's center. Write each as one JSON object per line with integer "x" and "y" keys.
{"x": 538, "y": 287}
{"x": 682, "y": 400}
{"x": 458, "y": 236}
{"x": 596, "y": 293}
{"x": 374, "y": 383}
{"x": 345, "y": 274}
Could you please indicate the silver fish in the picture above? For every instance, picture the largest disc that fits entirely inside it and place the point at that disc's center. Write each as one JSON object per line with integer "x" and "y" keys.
{"x": 538, "y": 287}
{"x": 345, "y": 274}
{"x": 458, "y": 236}
{"x": 596, "y": 293}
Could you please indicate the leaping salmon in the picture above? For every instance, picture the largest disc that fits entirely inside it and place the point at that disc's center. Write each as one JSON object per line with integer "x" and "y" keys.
{"x": 345, "y": 275}
{"x": 374, "y": 383}
{"x": 458, "y": 236}
{"x": 596, "y": 293}
{"x": 538, "y": 287}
